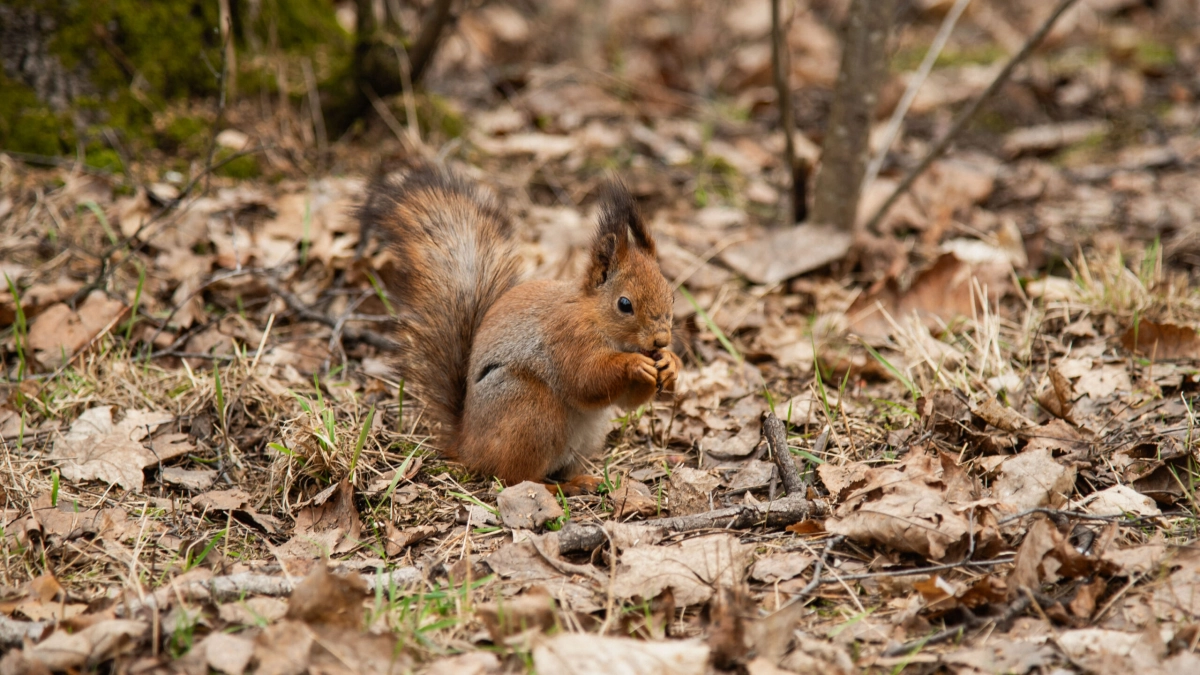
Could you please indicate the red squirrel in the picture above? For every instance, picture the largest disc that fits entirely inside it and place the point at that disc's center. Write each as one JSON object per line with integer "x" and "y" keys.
{"x": 520, "y": 378}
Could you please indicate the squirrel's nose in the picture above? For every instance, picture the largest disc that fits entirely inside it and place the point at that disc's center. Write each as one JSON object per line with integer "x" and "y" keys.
{"x": 662, "y": 340}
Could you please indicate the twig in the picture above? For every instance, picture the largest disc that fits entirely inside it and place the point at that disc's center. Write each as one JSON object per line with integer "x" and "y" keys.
{"x": 1019, "y": 605}
{"x": 298, "y": 306}
{"x": 1119, "y": 519}
{"x": 966, "y": 115}
{"x": 914, "y": 85}
{"x": 579, "y": 538}
{"x": 776, "y": 437}
{"x": 822, "y": 563}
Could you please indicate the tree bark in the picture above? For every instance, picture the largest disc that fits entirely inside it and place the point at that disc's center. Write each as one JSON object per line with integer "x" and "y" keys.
{"x": 846, "y": 149}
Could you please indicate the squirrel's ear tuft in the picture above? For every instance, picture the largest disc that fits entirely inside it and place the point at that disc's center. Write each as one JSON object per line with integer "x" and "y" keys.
{"x": 605, "y": 252}
{"x": 619, "y": 216}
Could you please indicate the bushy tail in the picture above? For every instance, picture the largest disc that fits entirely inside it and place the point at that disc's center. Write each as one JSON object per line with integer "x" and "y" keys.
{"x": 452, "y": 259}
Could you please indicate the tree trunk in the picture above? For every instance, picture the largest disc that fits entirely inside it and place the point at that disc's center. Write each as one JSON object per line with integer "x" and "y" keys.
{"x": 845, "y": 154}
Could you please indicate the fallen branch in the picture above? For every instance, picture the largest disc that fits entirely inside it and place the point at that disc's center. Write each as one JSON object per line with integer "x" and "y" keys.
{"x": 236, "y": 586}
{"x": 579, "y": 538}
{"x": 15, "y": 633}
{"x": 966, "y": 115}
{"x": 775, "y": 435}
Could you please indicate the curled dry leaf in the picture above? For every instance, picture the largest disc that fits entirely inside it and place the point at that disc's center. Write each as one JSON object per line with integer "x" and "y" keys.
{"x": 192, "y": 480}
{"x": 1059, "y": 398}
{"x": 97, "y": 449}
{"x": 633, "y": 498}
{"x": 330, "y": 527}
{"x": 919, "y": 505}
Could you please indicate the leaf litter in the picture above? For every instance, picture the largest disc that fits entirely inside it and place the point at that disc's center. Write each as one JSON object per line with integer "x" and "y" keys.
{"x": 209, "y": 466}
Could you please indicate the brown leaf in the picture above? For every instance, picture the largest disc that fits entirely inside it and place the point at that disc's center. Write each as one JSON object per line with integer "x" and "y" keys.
{"x": 327, "y": 598}
{"x": 1058, "y": 399}
{"x": 918, "y": 506}
{"x": 97, "y": 449}
{"x": 59, "y": 330}
{"x": 527, "y": 506}
{"x": 1000, "y": 416}
{"x": 589, "y": 654}
{"x": 633, "y": 498}
{"x": 398, "y": 540}
{"x": 691, "y": 569}
{"x": 1032, "y": 479}
{"x": 1162, "y": 341}
{"x": 781, "y": 254}
{"x": 327, "y": 528}
{"x": 939, "y": 294}
{"x": 533, "y": 610}
{"x": 689, "y": 491}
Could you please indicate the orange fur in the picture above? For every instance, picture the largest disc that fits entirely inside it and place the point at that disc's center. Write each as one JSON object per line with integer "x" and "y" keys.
{"x": 521, "y": 377}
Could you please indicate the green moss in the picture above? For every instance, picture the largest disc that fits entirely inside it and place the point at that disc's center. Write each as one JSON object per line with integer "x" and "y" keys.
{"x": 1154, "y": 56}
{"x": 26, "y": 125}
{"x": 242, "y": 167}
{"x": 435, "y": 112}
{"x": 186, "y": 133}
{"x": 981, "y": 54}
{"x": 103, "y": 158}
{"x": 138, "y": 56}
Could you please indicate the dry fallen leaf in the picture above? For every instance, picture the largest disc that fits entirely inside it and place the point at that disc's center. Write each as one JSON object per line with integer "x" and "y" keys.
{"x": 691, "y": 569}
{"x": 939, "y": 294}
{"x": 527, "y": 506}
{"x": 587, "y": 654}
{"x": 633, "y": 498}
{"x": 533, "y": 610}
{"x": 97, "y": 449}
{"x": 1032, "y": 479}
{"x": 1162, "y": 341}
{"x": 64, "y": 650}
{"x": 781, "y": 254}
{"x": 780, "y": 567}
{"x": 60, "y": 331}
{"x": 690, "y": 491}
{"x": 918, "y": 505}
{"x": 327, "y": 528}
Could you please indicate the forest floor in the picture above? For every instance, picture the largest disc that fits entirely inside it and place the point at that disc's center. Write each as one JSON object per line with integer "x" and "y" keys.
{"x": 991, "y": 400}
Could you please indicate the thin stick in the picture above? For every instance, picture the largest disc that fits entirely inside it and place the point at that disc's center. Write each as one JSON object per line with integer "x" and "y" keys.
{"x": 776, "y": 438}
{"x": 966, "y": 115}
{"x": 914, "y": 85}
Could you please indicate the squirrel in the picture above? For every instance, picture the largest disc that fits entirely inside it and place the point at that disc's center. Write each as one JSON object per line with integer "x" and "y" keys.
{"x": 520, "y": 378}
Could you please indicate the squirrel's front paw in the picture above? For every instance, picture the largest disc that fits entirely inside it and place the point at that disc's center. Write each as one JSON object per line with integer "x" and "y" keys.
{"x": 668, "y": 366}
{"x": 641, "y": 368}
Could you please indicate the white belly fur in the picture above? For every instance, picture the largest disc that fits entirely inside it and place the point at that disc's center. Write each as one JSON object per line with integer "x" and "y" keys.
{"x": 588, "y": 428}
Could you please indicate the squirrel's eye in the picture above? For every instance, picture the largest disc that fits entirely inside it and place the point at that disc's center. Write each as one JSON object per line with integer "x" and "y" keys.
{"x": 625, "y": 305}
